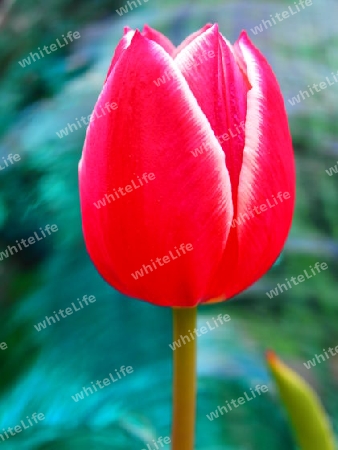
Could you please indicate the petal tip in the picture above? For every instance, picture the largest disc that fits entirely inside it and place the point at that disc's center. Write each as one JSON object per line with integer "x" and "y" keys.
{"x": 271, "y": 357}
{"x": 126, "y": 30}
{"x": 244, "y": 37}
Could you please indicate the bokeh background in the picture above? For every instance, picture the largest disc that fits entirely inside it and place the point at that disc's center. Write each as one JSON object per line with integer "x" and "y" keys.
{"x": 40, "y": 371}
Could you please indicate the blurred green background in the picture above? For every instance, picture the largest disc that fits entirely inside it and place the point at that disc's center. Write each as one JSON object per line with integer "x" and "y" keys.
{"x": 40, "y": 371}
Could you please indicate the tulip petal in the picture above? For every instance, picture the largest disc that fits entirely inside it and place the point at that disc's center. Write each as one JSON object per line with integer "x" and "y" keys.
{"x": 263, "y": 219}
{"x": 216, "y": 81}
{"x": 190, "y": 38}
{"x": 121, "y": 47}
{"x": 154, "y": 130}
{"x": 128, "y": 34}
{"x": 126, "y": 29}
{"x": 158, "y": 37}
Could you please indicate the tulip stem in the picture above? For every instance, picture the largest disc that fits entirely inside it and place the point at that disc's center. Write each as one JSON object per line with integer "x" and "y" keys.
{"x": 184, "y": 396}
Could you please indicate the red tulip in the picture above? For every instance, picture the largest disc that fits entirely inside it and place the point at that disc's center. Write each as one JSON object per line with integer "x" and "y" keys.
{"x": 196, "y": 170}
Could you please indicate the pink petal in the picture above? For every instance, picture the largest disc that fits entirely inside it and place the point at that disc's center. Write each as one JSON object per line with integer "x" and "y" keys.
{"x": 158, "y": 37}
{"x": 221, "y": 89}
{"x": 190, "y": 38}
{"x": 154, "y": 130}
{"x": 121, "y": 47}
{"x": 268, "y": 169}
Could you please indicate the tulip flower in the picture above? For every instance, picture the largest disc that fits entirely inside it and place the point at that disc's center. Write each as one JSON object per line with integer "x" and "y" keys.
{"x": 232, "y": 203}
{"x": 187, "y": 174}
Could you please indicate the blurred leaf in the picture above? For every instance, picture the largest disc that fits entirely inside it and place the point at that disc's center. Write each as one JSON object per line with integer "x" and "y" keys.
{"x": 308, "y": 418}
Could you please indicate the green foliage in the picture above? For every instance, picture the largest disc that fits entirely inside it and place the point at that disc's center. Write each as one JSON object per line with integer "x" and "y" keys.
{"x": 310, "y": 424}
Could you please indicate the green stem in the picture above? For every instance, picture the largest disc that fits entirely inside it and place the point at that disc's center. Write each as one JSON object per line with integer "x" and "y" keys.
{"x": 184, "y": 403}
